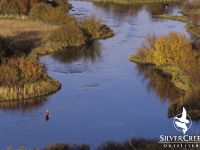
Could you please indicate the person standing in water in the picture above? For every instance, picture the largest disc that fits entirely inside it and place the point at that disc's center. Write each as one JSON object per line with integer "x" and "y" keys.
{"x": 47, "y": 115}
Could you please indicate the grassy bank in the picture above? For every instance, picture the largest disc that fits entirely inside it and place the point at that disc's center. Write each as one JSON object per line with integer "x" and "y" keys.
{"x": 44, "y": 86}
{"x": 44, "y": 28}
{"x": 178, "y": 18}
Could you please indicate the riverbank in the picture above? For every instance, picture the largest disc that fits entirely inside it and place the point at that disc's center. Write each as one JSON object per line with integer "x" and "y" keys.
{"x": 188, "y": 9}
{"x": 174, "y": 56}
{"x": 191, "y": 28}
{"x": 46, "y": 29}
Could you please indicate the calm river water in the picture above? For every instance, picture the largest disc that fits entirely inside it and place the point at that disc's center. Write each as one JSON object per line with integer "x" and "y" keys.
{"x": 103, "y": 95}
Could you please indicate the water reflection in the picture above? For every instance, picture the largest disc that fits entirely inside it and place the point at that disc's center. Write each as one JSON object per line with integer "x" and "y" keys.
{"x": 90, "y": 53}
{"x": 122, "y": 10}
{"x": 23, "y": 105}
{"x": 159, "y": 8}
{"x": 119, "y": 11}
{"x": 160, "y": 84}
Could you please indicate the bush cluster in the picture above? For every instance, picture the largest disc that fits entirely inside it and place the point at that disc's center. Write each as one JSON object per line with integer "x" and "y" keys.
{"x": 93, "y": 26}
{"x": 67, "y": 35}
{"x": 17, "y": 71}
{"x": 49, "y": 14}
{"x": 23, "y": 7}
{"x": 173, "y": 49}
{"x": 73, "y": 33}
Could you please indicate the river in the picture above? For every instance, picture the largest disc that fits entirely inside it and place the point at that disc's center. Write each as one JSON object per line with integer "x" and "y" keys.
{"x": 103, "y": 95}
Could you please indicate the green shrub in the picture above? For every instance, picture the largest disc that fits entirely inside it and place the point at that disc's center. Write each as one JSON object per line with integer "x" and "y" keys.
{"x": 49, "y": 14}
{"x": 17, "y": 71}
{"x": 31, "y": 70}
{"x": 173, "y": 49}
{"x": 9, "y": 75}
{"x": 67, "y": 35}
{"x": 8, "y": 7}
{"x": 94, "y": 27}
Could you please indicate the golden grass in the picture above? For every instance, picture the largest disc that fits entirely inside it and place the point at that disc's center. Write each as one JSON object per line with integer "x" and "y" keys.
{"x": 42, "y": 87}
{"x": 96, "y": 30}
{"x": 27, "y": 78}
{"x": 11, "y": 27}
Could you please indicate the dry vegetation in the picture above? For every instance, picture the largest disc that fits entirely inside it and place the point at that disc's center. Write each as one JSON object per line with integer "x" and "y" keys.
{"x": 49, "y": 14}
{"x": 22, "y": 78}
{"x": 94, "y": 28}
{"x": 174, "y": 55}
{"x": 42, "y": 27}
{"x": 190, "y": 11}
{"x": 12, "y": 27}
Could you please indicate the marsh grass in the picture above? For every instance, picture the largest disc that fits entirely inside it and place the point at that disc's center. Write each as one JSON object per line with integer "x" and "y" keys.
{"x": 67, "y": 35}
{"x": 8, "y": 7}
{"x": 50, "y": 15}
{"x": 47, "y": 29}
{"x": 178, "y": 18}
{"x": 22, "y": 78}
{"x": 41, "y": 87}
{"x": 93, "y": 26}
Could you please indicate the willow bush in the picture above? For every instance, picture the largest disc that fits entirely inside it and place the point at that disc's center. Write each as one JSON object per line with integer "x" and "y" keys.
{"x": 41, "y": 87}
{"x": 49, "y": 14}
{"x": 173, "y": 49}
{"x": 20, "y": 70}
{"x": 67, "y": 35}
{"x": 23, "y": 78}
{"x": 94, "y": 27}
{"x": 8, "y": 7}
{"x": 175, "y": 55}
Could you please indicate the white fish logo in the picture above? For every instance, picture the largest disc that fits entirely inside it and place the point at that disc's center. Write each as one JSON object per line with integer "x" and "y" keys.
{"x": 182, "y": 122}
